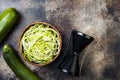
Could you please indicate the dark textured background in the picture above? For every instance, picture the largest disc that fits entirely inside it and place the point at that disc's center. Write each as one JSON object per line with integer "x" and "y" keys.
{"x": 98, "y": 18}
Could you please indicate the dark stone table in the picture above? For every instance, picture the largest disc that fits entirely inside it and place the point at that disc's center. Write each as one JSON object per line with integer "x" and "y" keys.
{"x": 98, "y": 18}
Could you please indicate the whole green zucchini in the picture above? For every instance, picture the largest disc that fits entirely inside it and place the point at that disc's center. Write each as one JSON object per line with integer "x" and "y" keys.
{"x": 17, "y": 66}
{"x": 8, "y": 19}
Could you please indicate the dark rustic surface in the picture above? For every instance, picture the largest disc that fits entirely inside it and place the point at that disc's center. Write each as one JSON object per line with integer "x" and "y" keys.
{"x": 98, "y": 18}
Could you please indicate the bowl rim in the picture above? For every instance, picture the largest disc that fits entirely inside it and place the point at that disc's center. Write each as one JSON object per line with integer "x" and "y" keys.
{"x": 20, "y": 50}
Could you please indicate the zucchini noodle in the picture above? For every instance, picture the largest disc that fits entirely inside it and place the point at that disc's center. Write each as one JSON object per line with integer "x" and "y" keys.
{"x": 40, "y": 44}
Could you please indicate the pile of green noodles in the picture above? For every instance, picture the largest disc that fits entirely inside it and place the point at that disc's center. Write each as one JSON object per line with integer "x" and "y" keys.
{"x": 40, "y": 44}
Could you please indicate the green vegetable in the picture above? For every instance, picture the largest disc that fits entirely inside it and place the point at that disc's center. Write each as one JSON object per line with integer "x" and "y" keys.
{"x": 8, "y": 19}
{"x": 40, "y": 44}
{"x": 16, "y": 64}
